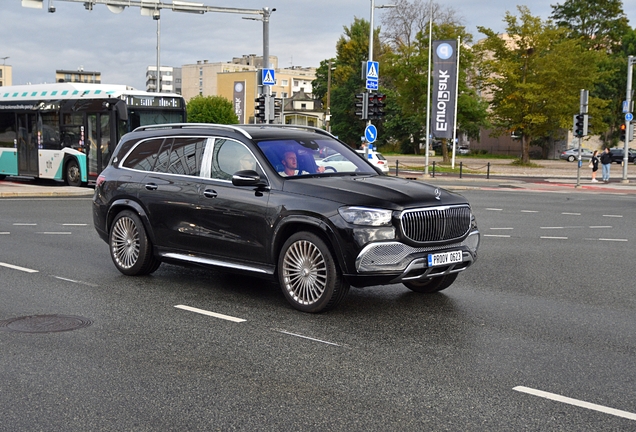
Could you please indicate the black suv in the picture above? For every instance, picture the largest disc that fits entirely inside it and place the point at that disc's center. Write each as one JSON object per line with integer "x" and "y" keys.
{"x": 618, "y": 153}
{"x": 258, "y": 199}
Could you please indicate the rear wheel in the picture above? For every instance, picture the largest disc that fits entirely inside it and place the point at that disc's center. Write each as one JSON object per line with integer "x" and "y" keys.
{"x": 428, "y": 286}
{"x": 73, "y": 176}
{"x": 308, "y": 274}
{"x": 130, "y": 247}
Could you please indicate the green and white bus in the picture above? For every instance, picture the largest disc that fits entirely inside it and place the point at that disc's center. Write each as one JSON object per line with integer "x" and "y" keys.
{"x": 67, "y": 131}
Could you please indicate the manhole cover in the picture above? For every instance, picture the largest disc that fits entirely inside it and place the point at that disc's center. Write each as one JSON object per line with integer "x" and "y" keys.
{"x": 45, "y": 323}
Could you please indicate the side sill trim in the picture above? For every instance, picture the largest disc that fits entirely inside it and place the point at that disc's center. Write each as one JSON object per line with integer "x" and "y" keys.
{"x": 208, "y": 261}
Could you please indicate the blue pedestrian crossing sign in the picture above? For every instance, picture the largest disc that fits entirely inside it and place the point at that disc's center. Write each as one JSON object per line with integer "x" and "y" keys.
{"x": 370, "y": 133}
{"x": 269, "y": 77}
{"x": 373, "y": 70}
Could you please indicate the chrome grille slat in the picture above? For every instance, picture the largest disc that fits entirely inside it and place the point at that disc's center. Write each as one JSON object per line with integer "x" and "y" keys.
{"x": 435, "y": 224}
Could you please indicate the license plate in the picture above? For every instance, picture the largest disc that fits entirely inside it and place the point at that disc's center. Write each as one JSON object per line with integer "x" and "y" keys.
{"x": 444, "y": 258}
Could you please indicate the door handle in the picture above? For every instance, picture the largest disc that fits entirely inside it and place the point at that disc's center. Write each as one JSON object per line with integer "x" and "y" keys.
{"x": 151, "y": 186}
{"x": 209, "y": 193}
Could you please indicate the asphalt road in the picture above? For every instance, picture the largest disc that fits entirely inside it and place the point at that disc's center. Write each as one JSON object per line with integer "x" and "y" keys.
{"x": 537, "y": 335}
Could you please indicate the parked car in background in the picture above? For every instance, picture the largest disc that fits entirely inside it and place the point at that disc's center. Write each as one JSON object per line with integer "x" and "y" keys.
{"x": 618, "y": 153}
{"x": 376, "y": 159}
{"x": 337, "y": 163}
{"x": 251, "y": 199}
{"x": 463, "y": 150}
{"x": 572, "y": 154}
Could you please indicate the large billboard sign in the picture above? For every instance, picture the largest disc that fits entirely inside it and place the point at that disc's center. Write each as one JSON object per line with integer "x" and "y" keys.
{"x": 444, "y": 78}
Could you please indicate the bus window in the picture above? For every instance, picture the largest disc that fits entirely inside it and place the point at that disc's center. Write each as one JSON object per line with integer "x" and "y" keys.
{"x": 7, "y": 129}
{"x": 50, "y": 131}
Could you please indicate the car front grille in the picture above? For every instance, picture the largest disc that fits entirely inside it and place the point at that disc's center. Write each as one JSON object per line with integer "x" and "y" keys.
{"x": 435, "y": 224}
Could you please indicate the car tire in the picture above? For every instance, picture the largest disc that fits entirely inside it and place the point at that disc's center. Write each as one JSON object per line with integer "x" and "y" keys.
{"x": 308, "y": 274}
{"x": 433, "y": 285}
{"x": 571, "y": 158}
{"x": 72, "y": 174}
{"x": 130, "y": 247}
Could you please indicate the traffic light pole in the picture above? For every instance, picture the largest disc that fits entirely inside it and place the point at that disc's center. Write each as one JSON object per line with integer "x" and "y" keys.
{"x": 628, "y": 98}
{"x": 583, "y": 113}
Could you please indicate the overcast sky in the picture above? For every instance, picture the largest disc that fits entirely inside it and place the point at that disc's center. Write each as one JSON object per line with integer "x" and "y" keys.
{"x": 121, "y": 46}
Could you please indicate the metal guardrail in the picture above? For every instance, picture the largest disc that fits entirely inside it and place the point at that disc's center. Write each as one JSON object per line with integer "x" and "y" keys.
{"x": 433, "y": 165}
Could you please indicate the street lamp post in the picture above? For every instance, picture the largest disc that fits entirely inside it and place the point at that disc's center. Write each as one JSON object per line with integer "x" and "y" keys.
{"x": 157, "y": 17}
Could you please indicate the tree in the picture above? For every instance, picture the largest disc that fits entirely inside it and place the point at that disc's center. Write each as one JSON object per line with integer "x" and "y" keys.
{"x": 406, "y": 71}
{"x": 600, "y": 23}
{"x": 533, "y": 76}
{"x": 602, "y": 26}
{"x": 211, "y": 109}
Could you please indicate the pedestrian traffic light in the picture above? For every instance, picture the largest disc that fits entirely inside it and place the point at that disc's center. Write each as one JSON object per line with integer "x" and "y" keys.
{"x": 278, "y": 107}
{"x": 362, "y": 106}
{"x": 376, "y": 106}
{"x": 259, "y": 110}
{"x": 580, "y": 125}
{"x": 623, "y": 132}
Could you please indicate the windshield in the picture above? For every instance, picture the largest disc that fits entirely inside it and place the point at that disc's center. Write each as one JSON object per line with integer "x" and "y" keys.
{"x": 325, "y": 156}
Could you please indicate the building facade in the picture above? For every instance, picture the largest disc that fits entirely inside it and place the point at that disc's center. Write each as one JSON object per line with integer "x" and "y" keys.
{"x": 170, "y": 79}
{"x": 5, "y": 75}
{"x": 78, "y": 76}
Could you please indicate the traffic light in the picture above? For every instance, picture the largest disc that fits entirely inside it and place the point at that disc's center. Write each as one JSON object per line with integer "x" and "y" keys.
{"x": 376, "y": 105}
{"x": 623, "y": 132}
{"x": 259, "y": 109}
{"x": 278, "y": 107}
{"x": 580, "y": 125}
{"x": 362, "y": 106}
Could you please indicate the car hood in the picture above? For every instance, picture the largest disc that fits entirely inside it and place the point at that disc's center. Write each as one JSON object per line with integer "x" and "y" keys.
{"x": 373, "y": 191}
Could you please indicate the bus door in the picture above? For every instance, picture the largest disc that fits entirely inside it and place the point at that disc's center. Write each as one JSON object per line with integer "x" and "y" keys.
{"x": 99, "y": 143}
{"x": 27, "y": 144}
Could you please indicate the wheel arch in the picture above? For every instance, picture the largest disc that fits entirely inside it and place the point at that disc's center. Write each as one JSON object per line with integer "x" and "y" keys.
{"x": 127, "y": 204}
{"x": 80, "y": 159}
{"x": 321, "y": 228}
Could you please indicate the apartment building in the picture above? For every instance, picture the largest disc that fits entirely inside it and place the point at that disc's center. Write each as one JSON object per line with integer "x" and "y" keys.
{"x": 78, "y": 76}
{"x": 170, "y": 79}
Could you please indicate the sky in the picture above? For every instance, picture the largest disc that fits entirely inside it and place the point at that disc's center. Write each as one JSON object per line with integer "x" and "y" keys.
{"x": 121, "y": 46}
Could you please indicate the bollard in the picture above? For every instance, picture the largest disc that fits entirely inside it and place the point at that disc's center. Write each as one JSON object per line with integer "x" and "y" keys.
{"x": 488, "y": 172}
{"x": 397, "y": 162}
{"x": 460, "y": 169}
{"x": 433, "y": 175}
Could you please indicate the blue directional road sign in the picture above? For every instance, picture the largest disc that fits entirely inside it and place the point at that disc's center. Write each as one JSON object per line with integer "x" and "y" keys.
{"x": 370, "y": 133}
{"x": 629, "y": 117}
{"x": 372, "y": 85}
{"x": 269, "y": 77}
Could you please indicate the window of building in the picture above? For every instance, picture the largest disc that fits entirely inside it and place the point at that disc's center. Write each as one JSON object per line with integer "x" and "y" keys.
{"x": 285, "y": 82}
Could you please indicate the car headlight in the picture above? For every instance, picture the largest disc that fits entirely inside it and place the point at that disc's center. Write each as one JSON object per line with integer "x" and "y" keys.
{"x": 366, "y": 216}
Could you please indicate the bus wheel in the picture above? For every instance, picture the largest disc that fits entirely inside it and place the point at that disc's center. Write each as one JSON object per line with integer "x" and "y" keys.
{"x": 73, "y": 176}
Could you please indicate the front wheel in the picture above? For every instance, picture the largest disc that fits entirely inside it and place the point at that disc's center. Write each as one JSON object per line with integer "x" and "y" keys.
{"x": 308, "y": 274}
{"x": 130, "y": 247}
{"x": 73, "y": 175}
{"x": 571, "y": 158}
{"x": 433, "y": 285}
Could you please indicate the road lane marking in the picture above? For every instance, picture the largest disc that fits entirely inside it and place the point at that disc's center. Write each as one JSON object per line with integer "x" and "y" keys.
{"x": 497, "y": 235}
{"x": 305, "y": 337}
{"x": 15, "y": 267}
{"x": 74, "y": 224}
{"x": 5, "y": 233}
{"x": 571, "y": 214}
{"x": 600, "y": 226}
{"x": 616, "y": 240}
{"x": 554, "y": 238}
{"x": 24, "y": 224}
{"x": 529, "y": 211}
{"x": 53, "y": 232}
{"x": 502, "y": 228}
{"x": 494, "y": 209}
{"x": 212, "y": 314}
{"x": 576, "y": 402}
{"x": 75, "y": 281}
{"x": 615, "y": 216}
{"x": 551, "y": 227}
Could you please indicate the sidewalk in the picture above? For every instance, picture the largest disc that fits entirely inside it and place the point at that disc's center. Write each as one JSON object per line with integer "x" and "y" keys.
{"x": 555, "y": 177}
{"x": 23, "y": 188}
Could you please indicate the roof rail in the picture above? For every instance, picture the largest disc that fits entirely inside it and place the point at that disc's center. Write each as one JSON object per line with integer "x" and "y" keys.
{"x": 192, "y": 126}
{"x": 290, "y": 126}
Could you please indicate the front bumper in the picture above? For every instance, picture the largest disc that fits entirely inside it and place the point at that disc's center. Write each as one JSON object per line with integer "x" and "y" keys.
{"x": 410, "y": 263}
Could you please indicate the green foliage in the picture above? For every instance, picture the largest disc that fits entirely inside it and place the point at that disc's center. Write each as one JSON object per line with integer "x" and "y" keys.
{"x": 534, "y": 76}
{"x": 211, "y": 109}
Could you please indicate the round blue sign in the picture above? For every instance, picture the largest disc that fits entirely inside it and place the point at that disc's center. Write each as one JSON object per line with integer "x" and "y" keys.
{"x": 629, "y": 117}
{"x": 370, "y": 133}
{"x": 444, "y": 51}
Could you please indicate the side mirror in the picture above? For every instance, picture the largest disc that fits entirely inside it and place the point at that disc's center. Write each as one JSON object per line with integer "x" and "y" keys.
{"x": 248, "y": 178}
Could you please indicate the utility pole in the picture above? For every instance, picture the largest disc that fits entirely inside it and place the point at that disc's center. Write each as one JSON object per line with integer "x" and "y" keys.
{"x": 628, "y": 117}
{"x": 583, "y": 102}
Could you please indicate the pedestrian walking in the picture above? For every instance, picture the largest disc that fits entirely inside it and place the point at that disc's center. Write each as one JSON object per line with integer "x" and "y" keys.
{"x": 594, "y": 165}
{"x": 606, "y": 160}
